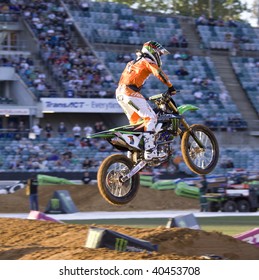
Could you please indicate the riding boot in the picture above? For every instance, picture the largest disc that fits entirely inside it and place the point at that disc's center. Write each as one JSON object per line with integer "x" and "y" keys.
{"x": 150, "y": 147}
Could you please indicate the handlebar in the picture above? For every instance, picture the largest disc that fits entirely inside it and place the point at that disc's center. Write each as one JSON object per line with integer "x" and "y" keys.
{"x": 161, "y": 95}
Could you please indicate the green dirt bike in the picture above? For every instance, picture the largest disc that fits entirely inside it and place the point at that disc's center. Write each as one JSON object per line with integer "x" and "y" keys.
{"x": 118, "y": 176}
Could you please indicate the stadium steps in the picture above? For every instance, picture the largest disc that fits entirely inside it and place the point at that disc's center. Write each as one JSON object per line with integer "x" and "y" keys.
{"x": 225, "y": 70}
{"x": 190, "y": 31}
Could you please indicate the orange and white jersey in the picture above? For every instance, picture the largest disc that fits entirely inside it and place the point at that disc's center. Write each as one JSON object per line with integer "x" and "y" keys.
{"x": 136, "y": 73}
{"x": 128, "y": 96}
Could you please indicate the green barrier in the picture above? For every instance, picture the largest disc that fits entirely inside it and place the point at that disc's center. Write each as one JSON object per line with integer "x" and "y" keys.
{"x": 146, "y": 181}
{"x": 49, "y": 180}
{"x": 146, "y": 178}
{"x": 183, "y": 189}
{"x": 164, "y": 185}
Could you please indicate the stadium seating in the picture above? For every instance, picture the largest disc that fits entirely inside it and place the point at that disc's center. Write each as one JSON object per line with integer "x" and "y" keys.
{"x": 75, "y": 67}
{"x": 47, "y": 156}
{"x": 243, "y": 37}
{"x": 118, "y": 24}
{"x": 31, "y": 76}
{"x": 112, "y": 23}
{"x": 222, "y": 112}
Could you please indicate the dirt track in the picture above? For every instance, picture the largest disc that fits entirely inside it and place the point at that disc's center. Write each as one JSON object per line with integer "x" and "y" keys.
{"x": 87, "y": 198}
{"x": 33, "y": 239}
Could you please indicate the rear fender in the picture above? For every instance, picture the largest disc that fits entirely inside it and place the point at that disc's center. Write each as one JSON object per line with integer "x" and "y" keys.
{"x": 103, "y": 134}
{"x": 114, "y": 131}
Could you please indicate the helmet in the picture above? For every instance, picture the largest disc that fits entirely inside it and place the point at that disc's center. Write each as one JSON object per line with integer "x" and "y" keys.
{"x": 154, "y": 50}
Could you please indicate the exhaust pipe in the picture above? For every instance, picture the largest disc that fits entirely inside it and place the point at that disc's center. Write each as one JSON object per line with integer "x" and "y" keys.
{"x": 119, "y": 142}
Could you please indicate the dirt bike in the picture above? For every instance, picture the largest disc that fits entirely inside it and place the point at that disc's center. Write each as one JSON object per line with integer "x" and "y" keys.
{"x": 118, "y": 176}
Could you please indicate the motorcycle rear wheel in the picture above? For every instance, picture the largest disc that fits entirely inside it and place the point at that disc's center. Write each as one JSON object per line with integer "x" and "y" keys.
{"x": 110, "y": 186}
{"x": 200, "y": 161}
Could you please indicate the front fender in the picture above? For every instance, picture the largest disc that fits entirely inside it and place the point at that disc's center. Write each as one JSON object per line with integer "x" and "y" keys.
{"x": 186, "y": 107}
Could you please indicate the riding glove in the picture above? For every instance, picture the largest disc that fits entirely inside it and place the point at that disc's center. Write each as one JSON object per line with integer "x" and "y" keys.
{"x": 171, "y": 90}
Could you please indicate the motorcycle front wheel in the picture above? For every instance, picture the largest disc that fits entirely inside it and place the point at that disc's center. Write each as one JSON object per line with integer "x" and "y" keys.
{"x": 199, "y": 160}
{"x": 109, "y": 175}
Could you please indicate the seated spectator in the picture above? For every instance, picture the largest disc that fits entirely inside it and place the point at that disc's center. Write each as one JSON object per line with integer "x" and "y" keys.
{"x": 103, "y": 146}
{"x": 243, "y": 39}
{"x": 202, "y": 20}
{"x": 127, "y": 58}
{"x": 85, "y": 142}
{"x": 183, "y": 42}
{"x": 224, "y": 97}
{"x": 177, "y": 55}
{"x": 234, "y": 122}
{"x": 181, "y": 72}
{"x": 198, "y": 94}
{"x": 231, "y": 23}
{"x": 70, "y": 140}
{"x": 228, "y": 37}
{"x": 84, "y": 6}
{"x": 102, "y": 93}
{"x": 212, "y": 122}
{"x": 220, "y": 21}
{"x": 211, "y": 21}
{"x": 174, "y": 42}
{"x": 68, "y": 154}
{"x": 120, "y": 58}
{"x": 185, "y": 56}
{"x": 212, "y": 95}
{"x": 205, "y": 82}
{"x": 196, "y": 80}
{"x": 87, "y": 163}
{"x": 53, "y": 156}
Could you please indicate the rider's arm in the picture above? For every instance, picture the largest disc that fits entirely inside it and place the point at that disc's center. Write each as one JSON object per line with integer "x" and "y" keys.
{"x": 159, "y": 73}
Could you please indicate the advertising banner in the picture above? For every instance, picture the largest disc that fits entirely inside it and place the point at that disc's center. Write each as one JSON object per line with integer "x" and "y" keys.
{"x": 15, "y": 111}
{"x": 11, "y": 188}
{"x": 80, "y": 105}
{"x": 251, "y": 236}
{"x": 106, "y": 238}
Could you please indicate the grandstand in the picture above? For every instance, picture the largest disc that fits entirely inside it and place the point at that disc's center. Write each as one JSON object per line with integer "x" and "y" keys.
{"x": 61, "y": 62}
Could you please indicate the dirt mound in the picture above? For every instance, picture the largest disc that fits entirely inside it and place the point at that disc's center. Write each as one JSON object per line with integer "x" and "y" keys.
{"x": 23, "y": 239}
{"x": 87, "y": 198}
{"x": 33, "y": 239}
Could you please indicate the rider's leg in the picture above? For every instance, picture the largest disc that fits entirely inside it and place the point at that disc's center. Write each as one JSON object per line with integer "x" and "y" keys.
{"x": 134, "y": 107}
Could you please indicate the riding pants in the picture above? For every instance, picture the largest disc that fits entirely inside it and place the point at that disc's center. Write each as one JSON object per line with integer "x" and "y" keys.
{"x": 136, "y": 107}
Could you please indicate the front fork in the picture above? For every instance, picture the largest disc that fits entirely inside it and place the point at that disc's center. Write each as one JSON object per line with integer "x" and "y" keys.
{"x": 173, "y": 107}
{"x": 134, "y": 171}
{"x": 197, "y": 140}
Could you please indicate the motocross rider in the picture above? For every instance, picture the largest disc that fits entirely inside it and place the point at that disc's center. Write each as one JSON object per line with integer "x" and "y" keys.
{"x": 133, "y": 103}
